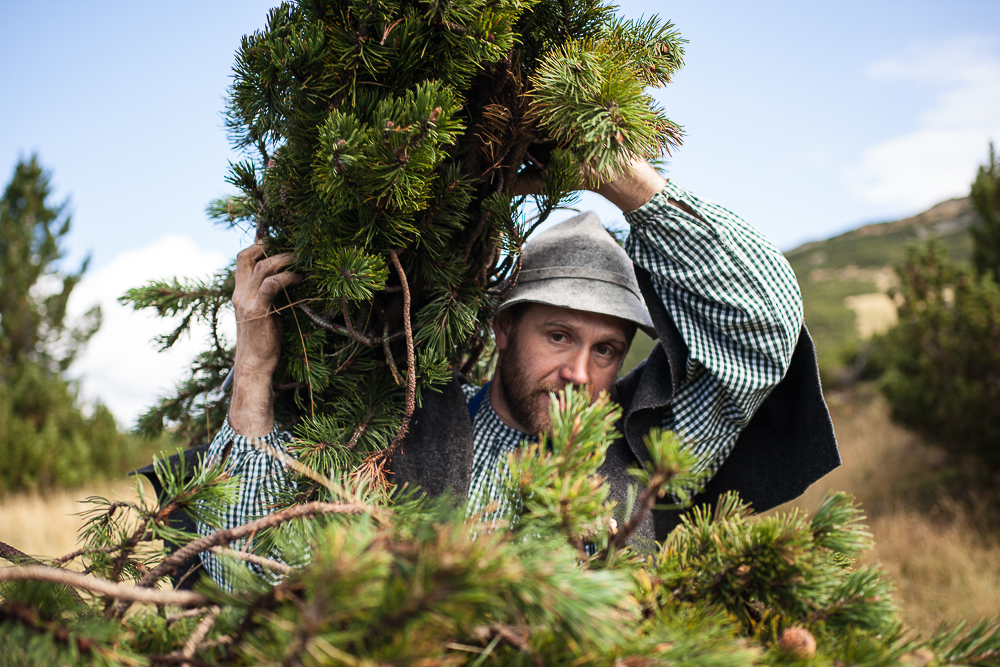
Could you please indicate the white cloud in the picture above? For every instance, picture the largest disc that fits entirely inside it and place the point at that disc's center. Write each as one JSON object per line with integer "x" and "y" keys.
{"x": 121, "y": 366}
{"x": 938, "y": 158}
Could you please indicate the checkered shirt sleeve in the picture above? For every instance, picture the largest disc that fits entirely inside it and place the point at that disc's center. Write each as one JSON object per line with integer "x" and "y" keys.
{"x": 263, "y": 479}
{"x": 736, "y": 303}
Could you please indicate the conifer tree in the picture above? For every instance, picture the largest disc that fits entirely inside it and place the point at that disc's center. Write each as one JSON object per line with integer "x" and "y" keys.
{"x": 986, "y": 232}
{"x": 45, "y": 439}
{"x": 33, "y": 327}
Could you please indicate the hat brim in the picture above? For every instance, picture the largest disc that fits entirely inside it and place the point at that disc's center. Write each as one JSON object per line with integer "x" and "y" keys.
{"x": 591, "y": 296}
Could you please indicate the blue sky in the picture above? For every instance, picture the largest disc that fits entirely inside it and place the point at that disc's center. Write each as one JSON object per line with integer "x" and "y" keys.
{"x": 806, "y": 118}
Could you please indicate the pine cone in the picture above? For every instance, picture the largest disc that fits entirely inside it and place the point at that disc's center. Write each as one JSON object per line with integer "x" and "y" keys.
{"x": 798, "y": 643}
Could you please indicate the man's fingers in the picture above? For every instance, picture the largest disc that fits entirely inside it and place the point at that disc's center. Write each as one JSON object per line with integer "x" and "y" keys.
{"x": 274, "y": 284}
{"x": 266, "y": 267}
{"x": 245, "y": 263}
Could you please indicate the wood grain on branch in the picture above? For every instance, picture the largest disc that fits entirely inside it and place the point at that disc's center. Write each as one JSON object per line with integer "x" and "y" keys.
{"x": 411, "y": 361}
{"x": 227, "y": 535}
{"x": 16, "y": 556}
{"x": 269, "y": 563}
{"x": 102, "y": 586}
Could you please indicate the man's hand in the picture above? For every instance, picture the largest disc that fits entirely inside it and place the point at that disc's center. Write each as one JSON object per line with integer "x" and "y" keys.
{"x": 258, "y": 338}
{"x": 634, "y": 188}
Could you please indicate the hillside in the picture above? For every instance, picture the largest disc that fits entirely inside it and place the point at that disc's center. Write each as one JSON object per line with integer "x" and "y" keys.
{"x": 846, "y": 279}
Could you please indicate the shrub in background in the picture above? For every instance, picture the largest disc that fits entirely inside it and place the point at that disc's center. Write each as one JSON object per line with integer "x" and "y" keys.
{"x": 942, "y": 360}
{"x": 986, "y": 232}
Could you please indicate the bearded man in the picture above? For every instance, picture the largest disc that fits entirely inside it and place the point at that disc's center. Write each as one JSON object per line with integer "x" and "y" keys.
{"x": 733, "y": 372}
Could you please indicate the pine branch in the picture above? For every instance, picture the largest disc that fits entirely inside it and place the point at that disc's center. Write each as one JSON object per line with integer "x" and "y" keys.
{"x": 191, "y": 645}
{"x": 16, "y": 556}
{"x": 247, "y": 557}
{"x": 219, "y": 537}
{"x": 324, "y": 323}
{"x": 646, "y": 503}
{"x": 102, "y": 586}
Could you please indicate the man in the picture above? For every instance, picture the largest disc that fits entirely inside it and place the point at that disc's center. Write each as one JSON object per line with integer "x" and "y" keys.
{"x": 734, "y": 371}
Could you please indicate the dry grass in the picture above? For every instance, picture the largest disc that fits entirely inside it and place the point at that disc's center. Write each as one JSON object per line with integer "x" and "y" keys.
{"x": 45, "y": 525}
{"x": 943, "y": 569}
{"x": 943, "y": 573}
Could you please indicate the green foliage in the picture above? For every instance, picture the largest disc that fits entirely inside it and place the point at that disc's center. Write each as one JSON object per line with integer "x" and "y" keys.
{"x": 395, "y": 131}
{"x": 196, "y": 409}
{"x": 985, "y": 197}
{"x": 45, "y": 438}
{"x": 870, "y": 248}
{"x": 32, "y": 314}
{"x": 942, "y": 360}
{"x": 418, "y": 581}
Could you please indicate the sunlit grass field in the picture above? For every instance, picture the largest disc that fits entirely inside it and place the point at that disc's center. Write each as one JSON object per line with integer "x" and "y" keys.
{"x": 46, "y": 525}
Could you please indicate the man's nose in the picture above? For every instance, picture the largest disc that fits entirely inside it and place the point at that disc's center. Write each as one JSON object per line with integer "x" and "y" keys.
{"x": 576, "y": 370}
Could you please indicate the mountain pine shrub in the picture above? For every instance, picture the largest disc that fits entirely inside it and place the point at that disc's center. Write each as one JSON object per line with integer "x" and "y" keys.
{"x": 942, "y": 360}
{"x": 383, "y": 140}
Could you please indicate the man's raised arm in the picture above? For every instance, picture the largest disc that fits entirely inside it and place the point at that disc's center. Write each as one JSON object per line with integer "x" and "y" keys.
{"x": 258, "y": 338}
{"x": 730, "y": 292}
{"x": 251, "y": 410}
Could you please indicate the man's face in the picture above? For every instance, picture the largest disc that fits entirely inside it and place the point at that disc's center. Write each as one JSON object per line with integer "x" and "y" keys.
{"x": 546, "y": 350}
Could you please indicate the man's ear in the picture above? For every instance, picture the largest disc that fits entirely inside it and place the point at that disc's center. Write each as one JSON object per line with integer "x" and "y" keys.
{"x": 503, "y": 329}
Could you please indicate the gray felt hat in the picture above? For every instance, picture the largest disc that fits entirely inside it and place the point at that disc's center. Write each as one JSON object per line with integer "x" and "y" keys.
{"x": 577, "y": 264}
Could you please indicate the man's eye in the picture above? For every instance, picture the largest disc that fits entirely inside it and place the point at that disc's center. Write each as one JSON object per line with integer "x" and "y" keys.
{"x": 606, "y": 350}
{"x": 557, "y": 337}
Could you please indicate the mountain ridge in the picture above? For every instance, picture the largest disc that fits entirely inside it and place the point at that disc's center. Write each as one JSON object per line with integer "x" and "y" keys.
{"x": 846, "y": 280}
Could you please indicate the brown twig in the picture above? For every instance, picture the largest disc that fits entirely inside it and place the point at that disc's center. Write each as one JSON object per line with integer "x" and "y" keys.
{"x": 646, "y": 502}
{"x": 62, "y": 560}
{"x": 269, "y": 563}
{"x": 103, "y": 586}
{"x": 351, "y": 331}
{"x": 411, "y": 362}
{"x": 388, "y": 356}
{"x": 226, "y": 535}
{"x": 324, "y": 323}
{"x": 475, "y": 235}
{"x": 16, "y": 556}
{"x": 305, "y": 357}
{"x": 502, "y": 290}
{"x": 510, "y": 635}
{"x": 191, "y": 645}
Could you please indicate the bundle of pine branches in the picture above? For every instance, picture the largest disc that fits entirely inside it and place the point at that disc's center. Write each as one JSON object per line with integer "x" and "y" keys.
{"x": 554, "y": 582}
{"x": 387, "y": 137}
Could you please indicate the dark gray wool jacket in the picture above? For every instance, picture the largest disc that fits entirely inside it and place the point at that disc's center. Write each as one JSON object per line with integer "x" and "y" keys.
{"x": 788, "y": 444}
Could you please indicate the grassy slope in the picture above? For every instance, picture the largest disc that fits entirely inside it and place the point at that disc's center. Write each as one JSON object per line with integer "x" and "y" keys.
{"x": 831, "y": 323}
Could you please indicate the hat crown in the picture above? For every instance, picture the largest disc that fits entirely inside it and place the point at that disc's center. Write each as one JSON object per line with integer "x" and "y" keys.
{"x": 579, "y": 242}
{"x": 578, "y": 265}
